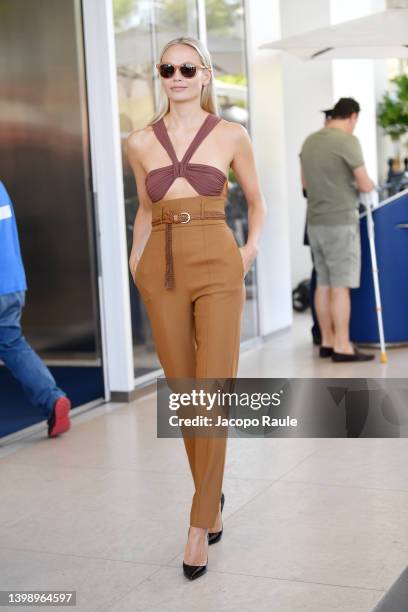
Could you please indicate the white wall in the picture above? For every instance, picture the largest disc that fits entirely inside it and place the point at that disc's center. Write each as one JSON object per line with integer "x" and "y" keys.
{"x": 286, "y": 96}
{"x": 266, "y": 103}
{"x": 357, "y": 78}
{"x": 307, "y": 89}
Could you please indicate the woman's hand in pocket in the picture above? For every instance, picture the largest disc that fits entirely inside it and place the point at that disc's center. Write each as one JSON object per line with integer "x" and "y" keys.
{"x": 133, "y": 263}
{"x": 248, "y": 254}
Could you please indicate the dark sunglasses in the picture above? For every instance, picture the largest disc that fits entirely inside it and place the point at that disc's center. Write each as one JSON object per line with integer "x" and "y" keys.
{"x": 187, "y": 69}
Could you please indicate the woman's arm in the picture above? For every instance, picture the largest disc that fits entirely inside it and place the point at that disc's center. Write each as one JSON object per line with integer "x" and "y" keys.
{"x": 143, "y": 218}
{"x": 243, "y": 164}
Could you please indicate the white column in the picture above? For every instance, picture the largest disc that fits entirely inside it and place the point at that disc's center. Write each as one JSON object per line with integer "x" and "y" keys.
{"x": 202, "y": 21}
{"x": 307, "y": 89}
{"x": 266, "y": 106}
{"x": 108, "y": 185}
{"x": 357, "y": 78}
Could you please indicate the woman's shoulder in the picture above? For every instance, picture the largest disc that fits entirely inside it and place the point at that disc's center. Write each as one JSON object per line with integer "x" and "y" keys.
{"x": 234, "y": 130}
{"x": 140, "y": 138}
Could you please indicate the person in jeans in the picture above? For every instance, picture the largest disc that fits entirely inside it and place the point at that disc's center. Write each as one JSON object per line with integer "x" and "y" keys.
{"x": 17, "y": 355}
{"x": 333, "y": 173}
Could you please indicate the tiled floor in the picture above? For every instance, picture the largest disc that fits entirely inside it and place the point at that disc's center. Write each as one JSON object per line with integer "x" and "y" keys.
{"x": 310, "y": 524}
{"x": 291, "y": 353}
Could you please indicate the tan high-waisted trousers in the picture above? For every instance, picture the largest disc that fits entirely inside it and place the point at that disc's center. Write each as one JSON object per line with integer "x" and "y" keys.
{"x": 196, "y": 324}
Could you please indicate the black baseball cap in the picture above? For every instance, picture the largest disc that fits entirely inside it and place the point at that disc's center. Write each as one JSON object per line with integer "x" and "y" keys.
{"x": 328, "y": 112}
{"x": 344, "y": 108}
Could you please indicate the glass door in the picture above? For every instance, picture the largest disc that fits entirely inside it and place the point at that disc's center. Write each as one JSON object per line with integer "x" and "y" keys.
{"x": 141, "y": 29}
{"x": 45, "y": 167}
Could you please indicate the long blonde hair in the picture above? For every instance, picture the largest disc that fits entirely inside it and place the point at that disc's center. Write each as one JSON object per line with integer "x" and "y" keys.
{"x": 208, "y": 99}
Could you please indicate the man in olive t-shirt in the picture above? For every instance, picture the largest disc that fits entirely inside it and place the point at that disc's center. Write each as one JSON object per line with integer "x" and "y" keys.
{"x": 333, "y": 173}
{"x": 329, "y": 157}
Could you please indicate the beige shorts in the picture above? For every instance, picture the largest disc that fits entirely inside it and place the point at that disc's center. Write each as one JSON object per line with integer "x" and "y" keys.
{"x": 336, "y": 251}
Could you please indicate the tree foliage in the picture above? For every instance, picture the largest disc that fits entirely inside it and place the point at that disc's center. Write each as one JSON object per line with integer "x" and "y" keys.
{"x": 393, "y": 109}
{"x": 220, "y": 14}
{"x": 121, "y": 10}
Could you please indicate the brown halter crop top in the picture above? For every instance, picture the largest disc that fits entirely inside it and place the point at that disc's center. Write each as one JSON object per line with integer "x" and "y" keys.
{"x": 205, "y": 179}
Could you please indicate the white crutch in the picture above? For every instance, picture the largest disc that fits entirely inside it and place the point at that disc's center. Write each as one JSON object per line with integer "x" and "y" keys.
{"x": 369, "y": 201}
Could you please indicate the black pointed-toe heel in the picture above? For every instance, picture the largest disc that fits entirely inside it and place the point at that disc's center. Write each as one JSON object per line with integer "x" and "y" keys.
{"x": 194, "y": 571}
{"x": 213, "y": 538}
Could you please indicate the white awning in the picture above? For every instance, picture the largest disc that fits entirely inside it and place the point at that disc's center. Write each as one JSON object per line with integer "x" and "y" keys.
{"x": 381, "y": 35}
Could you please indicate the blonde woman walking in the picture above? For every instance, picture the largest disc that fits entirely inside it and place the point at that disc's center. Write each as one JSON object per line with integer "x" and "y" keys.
{"x": 185, "y": 261}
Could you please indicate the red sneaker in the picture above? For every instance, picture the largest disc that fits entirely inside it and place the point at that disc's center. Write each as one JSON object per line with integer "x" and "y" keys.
{"x": 59, "y": 420}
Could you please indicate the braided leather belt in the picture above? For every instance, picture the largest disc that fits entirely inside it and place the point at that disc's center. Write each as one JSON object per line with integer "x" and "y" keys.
{"x": 182, "y": 217}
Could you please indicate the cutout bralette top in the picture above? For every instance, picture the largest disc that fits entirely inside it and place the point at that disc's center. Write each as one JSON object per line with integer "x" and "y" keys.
{"x": 205, "y": 179}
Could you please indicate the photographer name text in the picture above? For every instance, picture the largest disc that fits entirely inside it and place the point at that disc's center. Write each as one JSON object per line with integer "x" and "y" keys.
{"x": 206, "y": 421}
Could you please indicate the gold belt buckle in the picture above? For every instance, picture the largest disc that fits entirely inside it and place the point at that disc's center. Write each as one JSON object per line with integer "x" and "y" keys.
{"x": 188, "y": 217}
